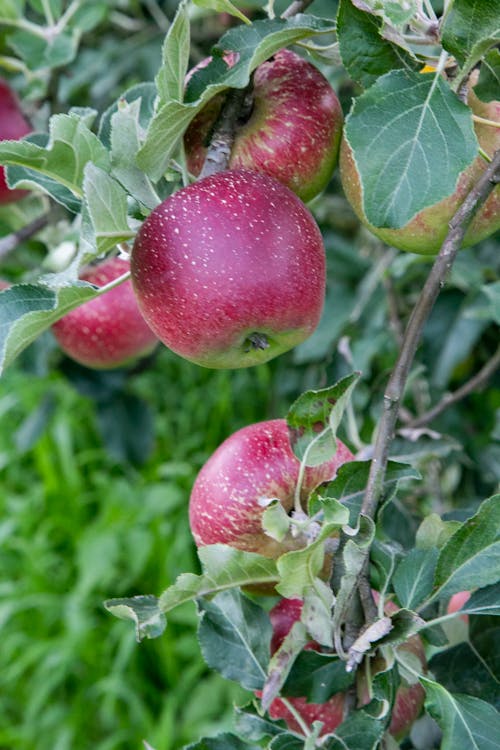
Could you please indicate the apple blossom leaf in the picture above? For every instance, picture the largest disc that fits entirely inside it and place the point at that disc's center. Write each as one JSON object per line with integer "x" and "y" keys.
{"x": 471, "y": 557}
{"x": 488, "y": 85}
{"x": 400, "y": 132}
{"x": 365, "y": 54}
{"x": 317, "y": 677}
{"x": 175, "y": 57}
{"x": 235, "y": 635}
{"x": 224, "y": 741}
{"x": 143, "y": 610}
{"x": 26, "y": 310}
{"x": 223, "y": 568}
{"x": 145, "y": 94}
{"x": 107, "y": 206}
{"x": 414, "y": 577}
{"x": 350, "y": 483}
{"x": 281, "y": 663}
{"x": 125, "y": 142}
{"x": 222, "y": 6}
{"x": 360, "y": 731}
{"x": 253, "y": 727}
{"x": 70, "y": 147}
{"x": 465, "y": 721}
{"x": 313, "y": 420}
{"x": 470, "y": 28}
{"x": 461, "y": 669}
{"x": 255, "y": 44}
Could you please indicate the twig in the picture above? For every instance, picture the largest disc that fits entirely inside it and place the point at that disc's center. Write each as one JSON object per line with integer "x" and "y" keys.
{"x": 11, "y": 241}
{"x": 221, "y": 142}
{"x": 395, "y": 389}
{"x": 475, "y": 383}
{"x": 298, "y": 6}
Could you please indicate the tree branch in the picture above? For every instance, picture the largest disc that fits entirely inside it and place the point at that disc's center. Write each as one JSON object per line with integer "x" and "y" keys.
{"x": 474, "y": 384}
{"x": 298, "y": 6}
{"x": 395, "y": 388}
{"x": 11, "y": 241}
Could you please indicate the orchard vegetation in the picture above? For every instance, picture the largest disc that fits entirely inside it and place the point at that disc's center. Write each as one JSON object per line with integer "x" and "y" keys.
{"x": 249, "y": 374}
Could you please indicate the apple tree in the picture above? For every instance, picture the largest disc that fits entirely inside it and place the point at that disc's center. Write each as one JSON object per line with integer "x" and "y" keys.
{"x": 173, "y": 213}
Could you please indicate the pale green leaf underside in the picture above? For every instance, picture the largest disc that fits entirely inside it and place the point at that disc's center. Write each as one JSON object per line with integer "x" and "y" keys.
{"x": 143, "y": 611}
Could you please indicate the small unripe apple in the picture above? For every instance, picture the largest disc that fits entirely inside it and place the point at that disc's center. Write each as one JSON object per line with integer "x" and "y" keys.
{"x": 292, "y": 131}
{"x": 426, "y": 232}
{"x": 108, "y": 331}
{"x": 230, "y": 271}
{"x": 13, "y": 126}
{"x": 409, "y": 698}
{"x": 456, "y": 603}
{"x": 249, "y": 468}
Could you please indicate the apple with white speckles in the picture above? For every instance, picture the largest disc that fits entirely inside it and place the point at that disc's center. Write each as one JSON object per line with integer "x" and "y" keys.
{"x": 108, "y": 331}
{"x": 13, "y": 126}
{"x": 292, "y": 131}
{"x": 230, "y": 271}
{"x": 409, "y": 698}
{"x": 249, "y": 468}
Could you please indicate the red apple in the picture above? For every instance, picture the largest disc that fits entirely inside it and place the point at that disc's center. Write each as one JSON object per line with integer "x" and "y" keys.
{"x": 108, "y": 331}
{"x": 13, "y": 126}
{"x": 427, "y": 230}
{"x": 456, "y": 603}
{"x": 230, "y": 271}
{"x": 409, "y": 698}
{"x": 293, "y": 130}
{"x": 253, "y": 465}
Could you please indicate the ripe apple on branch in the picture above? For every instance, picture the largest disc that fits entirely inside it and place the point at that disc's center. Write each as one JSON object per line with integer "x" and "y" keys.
{"x": 13, "y": 126}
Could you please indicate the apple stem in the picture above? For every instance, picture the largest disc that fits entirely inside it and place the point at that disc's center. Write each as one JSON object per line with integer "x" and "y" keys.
{"x": 221, "y": 142}
{"x": 256, "y": 340}
{"x": 485, "y": 121}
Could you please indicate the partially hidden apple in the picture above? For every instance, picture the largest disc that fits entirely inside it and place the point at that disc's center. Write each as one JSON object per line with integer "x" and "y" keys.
{"x": 13, "y": 126}
{"x": 230, "y": 271}
{"x": 252, "y": 466}
{"x": 108, "y": 331}
{"x": 456, "y": 603}
{"x": 292, "y": 131}
{"x": 425, "y": 233}
{"x": 409, "y": 698}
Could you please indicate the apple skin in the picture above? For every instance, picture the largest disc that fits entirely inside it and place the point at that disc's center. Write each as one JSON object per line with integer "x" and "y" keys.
{"x": 456, "y": 603}
{"x": 108, "y": 331}
{"x": 251, "y": 465}
{"x": 409, "y": 698}
{"x": 13, "y": 126}
{"x": 293, "y": 131}
{"x": 230, "y": 271}
{"x": 426, "y": 232}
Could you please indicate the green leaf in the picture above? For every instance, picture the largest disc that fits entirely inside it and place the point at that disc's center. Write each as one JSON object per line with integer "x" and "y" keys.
{"x": 255, "y": 44}
{"x": 461, "y": 669}
{"x": 471, "y": 557}
{"x": 175, "y": 57}
{"x": 26, "y": 310}
{"x": 365, "y": 54}
{"x": 466, "y": 722}
{"x": 391, "y": 11}
{"x": 107, "y": 206}
{"x": 491, "y": 310}
{"x": 253, "y": 727}
{"x": 434, "y": 532}
{"x": 281, "y": 663}
{"x": 276, "y": 521}
{"x": 145, "y": 94}
{"x": 225, "y": 741}
{"x": 143, "y": 611}
{"x": 359, "y": 731}
{"x": 286, "y": 741}
{"x": 485, "y": 601}
{"x": 222, "y": 6}
{"x": 488, "y": 86}
{"x": 471, "y": 27}
{"x": 313, "y": 420}
{"x": 414, "y": 577}
{"x": 11, "y": 10}
{"x": 71, "y": 145}
{"x": 234, "y": 636}
{"x": 317, "y": 677}
{"x": 40, "y": 53}
{"x": 400, "y": 132}
{"x": 224, "y": 568}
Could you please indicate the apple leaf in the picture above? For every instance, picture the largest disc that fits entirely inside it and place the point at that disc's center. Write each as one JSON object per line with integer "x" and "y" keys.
{"x": 488, "y": 86}
{"x": 107, "y": 206}
{"x": 313, "y": 420}
{"x": 10, "y": 10}
{"x": 317, "y": 677}
{"x": 41, "y": 52}
{"x": 470, "y": 28}
{"x": 414, "y": 577}
{"x": 281, "y": 663}
{"x": 276, "y": 521}
{"x": 26, "y": 310}
{"x": 400, "y": 131}
{"x": 222, "y": 6}
{"x": 149, "y": 621}
{"x": 461, "y": 669}
{"x": 286, "y": 741}
{"x": 224, "y": 741}
{"x": 125, "y": 142}
{"x": 434, "y": 532}
{"x": 175, "y": 57}
{"x": 71, "y": 145}
{"x": 254, "y": 44}
{"x": 471, "y": 557}
{"x": 385, "y": 556}
{"x": 485, "y": 601}
{"x": 253, "y": 727}
{"x": 234, "y": 635}
{"x": 360, "y": 731}
{"x": 224, "y": 568}
{"x": 365, "y": 54}
{"x": 392, "y": 12}
{"x": 145, "y": 94}
{"x": 466, "y": 722}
